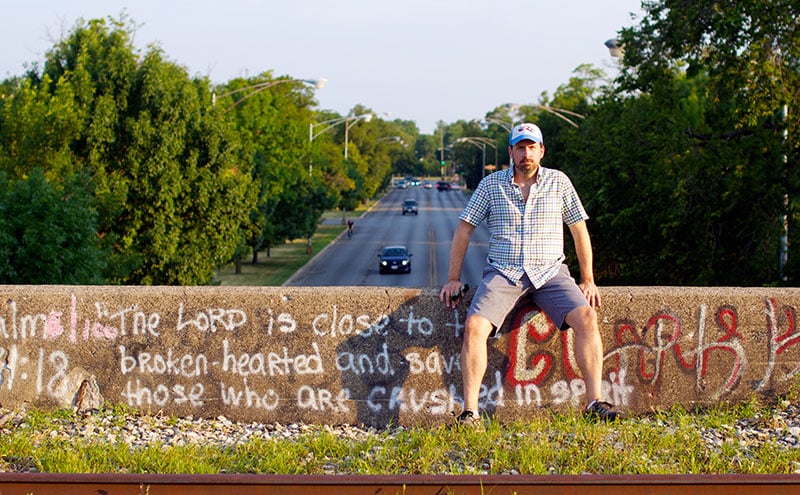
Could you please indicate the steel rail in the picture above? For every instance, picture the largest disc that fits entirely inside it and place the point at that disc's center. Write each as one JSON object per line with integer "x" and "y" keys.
{"x": 241, "y": 484}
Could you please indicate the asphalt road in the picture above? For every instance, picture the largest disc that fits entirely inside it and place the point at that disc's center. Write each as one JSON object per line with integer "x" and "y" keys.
{"x": 354, "y": 261}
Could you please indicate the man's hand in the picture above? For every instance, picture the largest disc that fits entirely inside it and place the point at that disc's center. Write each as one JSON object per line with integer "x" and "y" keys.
{"x": 452, "y": 292}
{"x": 591, "y": 293}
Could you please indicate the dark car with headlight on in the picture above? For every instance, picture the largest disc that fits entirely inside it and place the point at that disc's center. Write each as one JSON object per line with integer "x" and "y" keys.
{"x": 394, "y": 259}
{"x": 410, "y": 206}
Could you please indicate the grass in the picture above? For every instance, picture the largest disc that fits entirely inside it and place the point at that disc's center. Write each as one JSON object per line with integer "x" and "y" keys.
{"x": 671, "y": 442}
{"x": 285, "y": 259}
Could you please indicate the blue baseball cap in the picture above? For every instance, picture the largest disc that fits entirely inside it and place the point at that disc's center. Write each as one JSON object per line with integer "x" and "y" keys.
{"x": 526, "y": 131}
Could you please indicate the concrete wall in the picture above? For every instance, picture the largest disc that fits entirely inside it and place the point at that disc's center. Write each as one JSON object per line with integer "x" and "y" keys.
{"x": 377, "y": 355}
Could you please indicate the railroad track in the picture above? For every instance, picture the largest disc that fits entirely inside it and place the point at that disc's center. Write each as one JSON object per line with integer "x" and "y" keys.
{"x": 155, "y": 484}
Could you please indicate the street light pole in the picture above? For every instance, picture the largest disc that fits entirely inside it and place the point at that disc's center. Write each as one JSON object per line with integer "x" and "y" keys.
{"x": 257, "y": 88}
{"x": 558, "y": 112}
{"x": 480, "y": 142}
{"x": 366, "y": 117}
{"x": 330, "y": 124}
{"x": 502, "y": 123}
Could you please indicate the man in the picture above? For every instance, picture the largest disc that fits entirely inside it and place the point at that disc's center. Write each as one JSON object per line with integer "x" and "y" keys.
{"x": 526, "y": 207}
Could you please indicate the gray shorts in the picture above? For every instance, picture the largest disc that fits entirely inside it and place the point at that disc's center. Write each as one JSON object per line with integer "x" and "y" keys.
{"x": 496, "y": 296}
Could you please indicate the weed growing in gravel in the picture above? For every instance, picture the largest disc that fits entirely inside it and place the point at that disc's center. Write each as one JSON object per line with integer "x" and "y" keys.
{"x": 747, "y": 438}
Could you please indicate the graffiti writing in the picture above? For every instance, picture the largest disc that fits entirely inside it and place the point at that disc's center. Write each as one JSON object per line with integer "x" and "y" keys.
{"x": 332, "y": 360}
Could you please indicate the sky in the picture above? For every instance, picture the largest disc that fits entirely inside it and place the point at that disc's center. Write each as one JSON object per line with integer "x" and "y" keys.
{"x": 420, "y": 60}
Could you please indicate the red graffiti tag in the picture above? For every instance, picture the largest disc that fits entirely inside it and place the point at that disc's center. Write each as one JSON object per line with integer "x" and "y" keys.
{"x": 727, "y": 319}
{"x": 651, "y": 357}
{"x": 778, "y": 344}
{"x": 662, "y": 343}
{"x": 529, "y": 323}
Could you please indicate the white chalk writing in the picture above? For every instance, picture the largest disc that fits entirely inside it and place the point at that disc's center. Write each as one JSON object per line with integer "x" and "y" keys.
{"x": 271, "y": 364}
{"x": 186, "y": 365}
{"x": 435, "y": 363}
{"x": 334, "y": 324}
{"x": 213, "y": 319}
{"x": 364, "y": 363}
{"x": 268, "y": 399}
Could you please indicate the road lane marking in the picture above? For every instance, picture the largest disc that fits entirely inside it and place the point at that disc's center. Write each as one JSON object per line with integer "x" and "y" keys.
{"x": 432, "y": 256}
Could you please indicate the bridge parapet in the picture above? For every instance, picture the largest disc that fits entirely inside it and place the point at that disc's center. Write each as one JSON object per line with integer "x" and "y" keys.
{"x": 377, "y": 355}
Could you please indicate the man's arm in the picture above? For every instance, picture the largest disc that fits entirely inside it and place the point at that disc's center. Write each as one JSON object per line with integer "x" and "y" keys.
{"x": 583, "y": 249}
{"x": 458, "y": 250}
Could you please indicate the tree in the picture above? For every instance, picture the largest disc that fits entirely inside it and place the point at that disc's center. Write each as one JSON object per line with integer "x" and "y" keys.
{"x": 424, "y": 158}
{"x": 189, "y": 189}
{"x": 272, "y": 124}
{"x": 301, "y": 209}
{"x": 672, "y": 202}
{"x": 170, "y": 187}
{"x": 468, "y": 158}
{"x": 38, "y": 125}
{"x": 749, "y": 51}
{"x": 369, "y": 165}
{"x": 48, "y": 232}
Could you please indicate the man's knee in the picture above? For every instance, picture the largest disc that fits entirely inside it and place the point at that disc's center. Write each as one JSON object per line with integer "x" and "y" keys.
{"x": 582, "y": 318}
{"x": 477, "y": 327}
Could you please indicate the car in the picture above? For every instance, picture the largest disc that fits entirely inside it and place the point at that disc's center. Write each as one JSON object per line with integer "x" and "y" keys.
{"x": 394, "y": 259}
{"x": 412, "y": 181}
{"x": 410, "y": 206}
{"x": 443, "y": 185}
{"x": 427, "y": 185}
{"x": 402, "y": 184}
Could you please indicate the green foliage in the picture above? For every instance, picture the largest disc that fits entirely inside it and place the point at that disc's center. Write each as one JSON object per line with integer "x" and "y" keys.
{"x": 747, "y": 58}
{"x": 469, "y": 155}
{"x": 189, "y": 193}
{"x": 750, "y": 49}
{"x": 271, "y": 123}
{"x": 179, "y": 184}
{"x": 421, "y": 160}
{"x": 47, "y": 232}
{"x": 38, "y": 125}
{"x": 299, "y": 209}
{"x": 170, "y": 188}
{"x": 673, "y": 201}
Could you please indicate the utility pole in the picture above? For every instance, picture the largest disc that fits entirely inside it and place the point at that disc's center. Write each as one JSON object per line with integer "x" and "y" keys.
{"x": 441, "y": 150}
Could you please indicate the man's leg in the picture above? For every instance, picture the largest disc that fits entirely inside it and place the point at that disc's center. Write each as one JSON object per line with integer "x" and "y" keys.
{"x": 588, "y": 349}
{"x": 493, "y": 299}
{"x": 474, "y": 358}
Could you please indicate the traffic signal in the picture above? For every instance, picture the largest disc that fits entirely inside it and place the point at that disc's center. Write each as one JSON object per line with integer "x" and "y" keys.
{"x": 440, "y": 155}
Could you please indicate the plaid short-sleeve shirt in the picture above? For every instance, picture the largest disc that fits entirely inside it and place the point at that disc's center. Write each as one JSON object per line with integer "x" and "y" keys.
{"x": 525, "y": 237}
